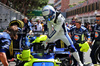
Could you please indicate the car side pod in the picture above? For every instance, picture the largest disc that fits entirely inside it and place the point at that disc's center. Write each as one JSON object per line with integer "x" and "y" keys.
{"x": 43, "y": 62}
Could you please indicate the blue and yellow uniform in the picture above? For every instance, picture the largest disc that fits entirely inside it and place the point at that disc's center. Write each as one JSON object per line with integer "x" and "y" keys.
{"x": 78, "y": 35}
{"x": 5, "y": 41}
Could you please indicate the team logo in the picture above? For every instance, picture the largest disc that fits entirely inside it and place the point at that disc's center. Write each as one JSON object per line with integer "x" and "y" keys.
{"x": 76, "y": 37}
{"x": 96, "y": 34}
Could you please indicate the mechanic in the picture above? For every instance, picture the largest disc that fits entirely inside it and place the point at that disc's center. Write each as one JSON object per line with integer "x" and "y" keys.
{"x": 96, "y": 37}
{"x": 5, "y": 40}
{"x": 79, "y": 34}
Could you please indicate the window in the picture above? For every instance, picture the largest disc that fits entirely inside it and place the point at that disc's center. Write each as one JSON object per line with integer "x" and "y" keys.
{"x": 75, "y": 11}
{"x": 97, "y": 6}
{"x": 67, "y": 14}
{"x": 89, "y": 8}
{"x": 82, "y": 9}
{"x": 85, "y": 8}
{"x": 78, "y": 11}
{"x": 93, "y": 7}
{"x": 71, "y": 12}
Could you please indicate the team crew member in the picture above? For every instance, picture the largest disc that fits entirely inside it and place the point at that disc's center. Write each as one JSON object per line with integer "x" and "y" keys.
{"x": 27, "y": 27}
{"x": 79, "y": 34}
{"x": 5, "y": 40}
{"x": 59, "y": 32}
{"x": 96, "y": 37}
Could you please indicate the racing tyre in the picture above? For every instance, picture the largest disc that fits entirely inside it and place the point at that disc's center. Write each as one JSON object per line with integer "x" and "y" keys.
{"x": 97, "y": 54}
{"x": 20, "y": 63}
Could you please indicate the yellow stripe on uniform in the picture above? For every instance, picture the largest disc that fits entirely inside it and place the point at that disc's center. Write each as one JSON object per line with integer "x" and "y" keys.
{"x": 11, "y": 48}
{"x": 82, "y": 37}
{"x": 62, "y": 44}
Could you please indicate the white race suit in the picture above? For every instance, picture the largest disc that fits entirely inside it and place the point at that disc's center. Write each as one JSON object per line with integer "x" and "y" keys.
{"x": 58, "y": 31}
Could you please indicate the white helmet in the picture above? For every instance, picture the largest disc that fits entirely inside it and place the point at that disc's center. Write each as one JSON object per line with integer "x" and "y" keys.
{"x": 48, "y": 13}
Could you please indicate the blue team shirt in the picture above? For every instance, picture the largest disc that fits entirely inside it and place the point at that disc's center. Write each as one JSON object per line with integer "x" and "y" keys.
{"x": 77, "y": 34}
{"x": 30, "y": 25}
{"x": 5, "y": 40}
{"x": 96, "y": 32}
{"x": 27, "y": 27}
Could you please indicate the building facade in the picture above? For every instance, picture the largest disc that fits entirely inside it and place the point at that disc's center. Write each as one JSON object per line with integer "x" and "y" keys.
{"x": 85, "y": 10}
{"x": 72, "y": 2}
{"x": 62, "y": 5}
